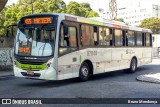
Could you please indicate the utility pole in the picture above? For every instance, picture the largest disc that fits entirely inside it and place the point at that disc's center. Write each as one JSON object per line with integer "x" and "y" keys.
{"x": 113, "y": 9}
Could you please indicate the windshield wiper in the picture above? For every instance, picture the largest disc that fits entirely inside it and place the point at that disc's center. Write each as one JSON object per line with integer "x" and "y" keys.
{"x": 39, "y": 49}
{"x": 43, "y": 48}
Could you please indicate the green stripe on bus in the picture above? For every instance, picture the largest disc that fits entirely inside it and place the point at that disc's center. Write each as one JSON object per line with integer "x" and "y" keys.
{"x": 31, "y": 67}
{"x": 80, "y": 58}
{"x": 97, "y": 23}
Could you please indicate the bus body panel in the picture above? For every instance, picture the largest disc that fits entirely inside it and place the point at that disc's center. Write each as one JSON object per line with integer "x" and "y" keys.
{"x": 103, "y": 60}
{"x": 68, "y": 65}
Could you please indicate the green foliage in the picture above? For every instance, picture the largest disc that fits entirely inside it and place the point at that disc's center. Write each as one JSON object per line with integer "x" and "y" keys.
{"x": 119, "y": 19}
{"x": 86, "y": 6}
{"x": 82, "y": 9}
{"x": 2, "y": 31}
{"x": 73, "y": 8}
{"x": 12, "y": 14}
{"x": 151, "y": 23}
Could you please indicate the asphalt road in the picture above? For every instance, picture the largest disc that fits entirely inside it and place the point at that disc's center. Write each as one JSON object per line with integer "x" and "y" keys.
{"x": 117, "y": 84}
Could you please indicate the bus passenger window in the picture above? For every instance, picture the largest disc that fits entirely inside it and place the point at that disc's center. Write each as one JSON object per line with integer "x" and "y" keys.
{"x": 95, "y": 36}
{"x": 88, "y": 36}
{"x": 104, "y": 36}
{"x": 130, "y": 39}
{"x": 123, "y": 37}
{"x": 62, "y": 41}
{"x": 148, "y": 39}
{"x": 139, "y": 39}
{"x": 118, "y": 37}
{"x": 111, "y": 37}
{"x": 151, "y": 40}
{"x": 143, "y": 39}
{"x": 127, "y": 38}
{"x": 85, "y": 36}
{"x": 68, "y": 37}
{"x": 68, "y": 40}
{"x": 72, "y": 37}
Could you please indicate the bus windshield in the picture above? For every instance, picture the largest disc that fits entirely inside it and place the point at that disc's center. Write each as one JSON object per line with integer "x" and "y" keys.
{"x": 35, "y": 41}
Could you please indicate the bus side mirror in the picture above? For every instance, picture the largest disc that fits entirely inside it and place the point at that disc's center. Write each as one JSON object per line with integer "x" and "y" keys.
{"x": 65, "y": 30}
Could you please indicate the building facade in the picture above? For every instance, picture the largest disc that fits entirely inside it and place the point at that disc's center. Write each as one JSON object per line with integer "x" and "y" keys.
{"x": 134, "y": 16}
{"x": 134, "y": 12}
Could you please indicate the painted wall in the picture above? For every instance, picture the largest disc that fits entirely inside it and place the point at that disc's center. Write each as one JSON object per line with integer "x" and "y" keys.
{"x": 6, "y": 45}
{"x": 6, "y": 56}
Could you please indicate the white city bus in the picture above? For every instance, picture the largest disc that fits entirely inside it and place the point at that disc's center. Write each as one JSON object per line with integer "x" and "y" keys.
{"x": 60, "y": 46}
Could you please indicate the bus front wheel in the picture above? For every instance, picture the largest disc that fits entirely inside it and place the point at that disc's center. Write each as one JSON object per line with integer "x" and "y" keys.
{"x": 84, "y": 72}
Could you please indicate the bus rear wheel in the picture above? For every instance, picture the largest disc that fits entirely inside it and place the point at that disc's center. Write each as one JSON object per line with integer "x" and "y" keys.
{"x": 84, "y": 72}
{"x": 133, "y": 65}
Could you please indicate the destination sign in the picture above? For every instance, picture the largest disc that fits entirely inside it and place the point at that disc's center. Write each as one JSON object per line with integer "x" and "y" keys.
{"x": 41, "y": 20}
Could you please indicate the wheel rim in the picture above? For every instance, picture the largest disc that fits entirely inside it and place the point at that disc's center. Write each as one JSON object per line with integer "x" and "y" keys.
{"x": 85, "y": 71}
{"x": 133, "y": 65}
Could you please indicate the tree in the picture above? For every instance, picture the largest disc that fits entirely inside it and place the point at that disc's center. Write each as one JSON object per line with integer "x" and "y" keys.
{"x": 119, "y": 19}
{"x": 12, "y": 14}
{"x": 82, "y": 9}
{"x": 86, "y": 6}
{"x": 151, "y": 23}
{"x": 73, "y": 8}
{"x": 55, "y": 6}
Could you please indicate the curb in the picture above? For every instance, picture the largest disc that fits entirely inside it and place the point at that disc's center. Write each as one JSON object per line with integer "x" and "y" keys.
{"x": 4, "y": 73}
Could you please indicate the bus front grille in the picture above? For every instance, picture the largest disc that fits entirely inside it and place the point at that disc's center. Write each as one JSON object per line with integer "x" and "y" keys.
{"x": 31, "y": 62}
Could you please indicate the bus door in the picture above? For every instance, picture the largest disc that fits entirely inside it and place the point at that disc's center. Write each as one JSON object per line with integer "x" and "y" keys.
{"x": 68, "y": 63}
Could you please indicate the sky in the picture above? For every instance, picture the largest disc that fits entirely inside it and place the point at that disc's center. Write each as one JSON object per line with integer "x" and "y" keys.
{"x": 104, "y": 4}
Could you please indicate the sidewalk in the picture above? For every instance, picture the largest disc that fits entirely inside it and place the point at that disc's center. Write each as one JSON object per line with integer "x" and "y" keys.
{"x": 6, "y": 73}
{"x": 152, "y": 78}
{"x": 6, "y": 70}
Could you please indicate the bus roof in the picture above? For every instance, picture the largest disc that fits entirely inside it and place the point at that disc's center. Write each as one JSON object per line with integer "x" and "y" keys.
{"x": 101, "y": 22}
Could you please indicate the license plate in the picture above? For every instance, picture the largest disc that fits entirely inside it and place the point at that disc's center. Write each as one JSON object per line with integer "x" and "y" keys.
{"x": 30, "y": 73}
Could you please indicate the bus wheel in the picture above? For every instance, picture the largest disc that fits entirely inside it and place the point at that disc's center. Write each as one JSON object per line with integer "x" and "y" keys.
{"x": 133, "y": 65}
{"x": 84, "y": 72}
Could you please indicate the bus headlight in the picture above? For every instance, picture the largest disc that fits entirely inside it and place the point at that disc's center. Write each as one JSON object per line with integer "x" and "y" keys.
{"x": 48, "y": 65}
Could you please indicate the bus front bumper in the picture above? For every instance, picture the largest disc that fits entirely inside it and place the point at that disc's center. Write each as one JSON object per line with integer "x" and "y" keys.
{"x": 47, "y": 74}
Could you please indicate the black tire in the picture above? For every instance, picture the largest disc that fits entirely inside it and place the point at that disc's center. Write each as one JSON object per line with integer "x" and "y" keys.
{"x": 84, "y": 72}
{"x": 133, "y": 65}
